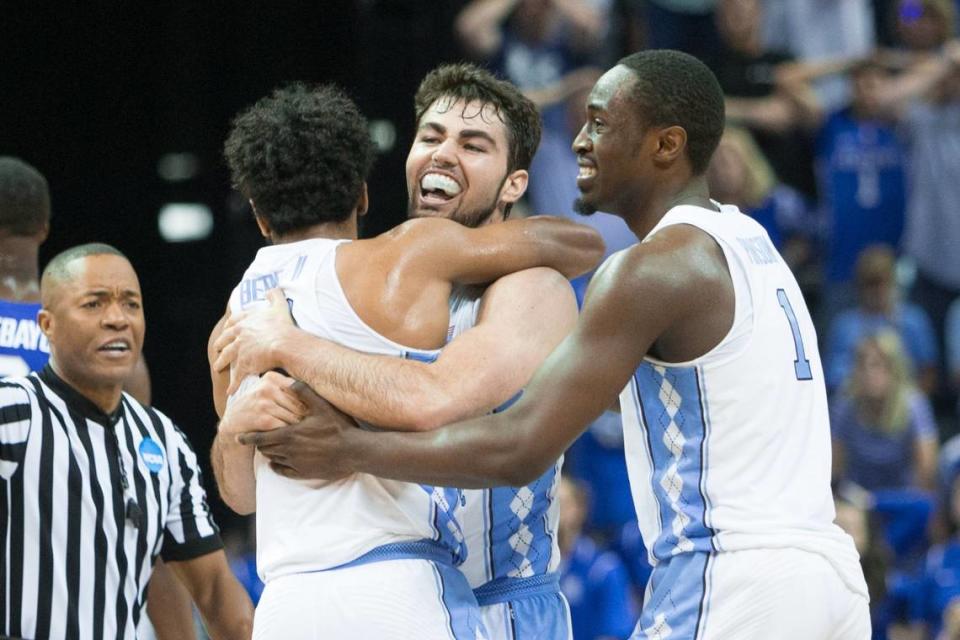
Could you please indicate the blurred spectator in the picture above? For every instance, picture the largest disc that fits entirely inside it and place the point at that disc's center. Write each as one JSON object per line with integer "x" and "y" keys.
{"x": 861, "y": 176}
{"x": 594, "y": 581}
{"x": 686, "y": 25}
{"x": 924, "y": 25}
{"x": 597, "y": 460}
{"x": 952, "y": 339}
{"x": 747, "y": 73}
{"x": 883, "y": 431}
{"x": 739, "y": 174}
{"x": 936, "y": 601}
{"x": 536, "y": 44}
{"x": 855, "y": 520}
{"x": 933, "y": 226}
{"x": 817, "y": 30}
{"x": 878, "y": 308}
{"x": 629, "y": 544}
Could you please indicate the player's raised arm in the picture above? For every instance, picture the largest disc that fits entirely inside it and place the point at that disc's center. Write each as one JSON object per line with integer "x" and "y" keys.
{"x": 443, "y": 249}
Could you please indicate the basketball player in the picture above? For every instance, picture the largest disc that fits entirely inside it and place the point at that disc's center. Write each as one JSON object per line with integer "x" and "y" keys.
{"x": 703, "y": 328}
{"x": 363, "y": 544}
{"x": 24, "y": 225}
{"x": 499, "y": 336}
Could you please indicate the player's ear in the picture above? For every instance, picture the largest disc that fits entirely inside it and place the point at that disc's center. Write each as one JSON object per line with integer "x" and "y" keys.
{"x": 261, "y": 223}
{"x": 514, "y": 186}
{"x": 363, "y": 202}
{"x": 671, "y": 145}
{"x": 43, "y": 233}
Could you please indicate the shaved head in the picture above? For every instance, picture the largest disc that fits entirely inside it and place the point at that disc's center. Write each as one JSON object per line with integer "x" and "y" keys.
{"x": 58, "y": 270}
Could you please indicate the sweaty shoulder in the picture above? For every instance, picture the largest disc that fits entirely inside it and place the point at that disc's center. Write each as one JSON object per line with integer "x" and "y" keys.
{"x": 681, "y": 257}
{"x": 539, "y": 297}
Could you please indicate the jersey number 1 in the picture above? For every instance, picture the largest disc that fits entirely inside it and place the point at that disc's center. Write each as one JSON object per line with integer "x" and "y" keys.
{"x": 801, "y": 365}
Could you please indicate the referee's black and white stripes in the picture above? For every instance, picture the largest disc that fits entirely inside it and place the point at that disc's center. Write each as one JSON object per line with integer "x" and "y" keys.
{"x": 87, "y": 502}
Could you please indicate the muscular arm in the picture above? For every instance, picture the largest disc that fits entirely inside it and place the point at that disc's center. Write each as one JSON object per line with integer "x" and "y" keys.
{"x": 223, "y": 603}
{"x": 522, "y": 318}
{"x": 634, "y": 298}
{"x": 444, "y": 250}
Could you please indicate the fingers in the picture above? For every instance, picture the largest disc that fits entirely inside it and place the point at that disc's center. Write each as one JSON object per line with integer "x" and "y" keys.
{"x": 275, "y": 387}
{"x": 308, "y": 396}
{"x": 283, "y": 470}
{"x": 276, "y": 298}
{"x": 225, "y": 356}
{"x": 228, "y": 335}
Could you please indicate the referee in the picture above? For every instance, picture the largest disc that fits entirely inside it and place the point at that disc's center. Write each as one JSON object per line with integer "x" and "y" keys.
{"x": 93, "y": 485}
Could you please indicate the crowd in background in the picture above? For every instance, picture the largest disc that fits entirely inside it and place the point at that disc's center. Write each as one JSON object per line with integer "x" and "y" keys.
{"x": 843, "y": 141}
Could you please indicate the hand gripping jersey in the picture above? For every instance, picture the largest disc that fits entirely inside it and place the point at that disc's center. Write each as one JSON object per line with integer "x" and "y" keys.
{"x": 23, "y": 347}
{"x": 731, "y": 451}
{"x": 311, "y": 525}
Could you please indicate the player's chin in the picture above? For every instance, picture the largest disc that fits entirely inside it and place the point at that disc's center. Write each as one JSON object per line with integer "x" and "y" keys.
{"x": 585, "y": 206}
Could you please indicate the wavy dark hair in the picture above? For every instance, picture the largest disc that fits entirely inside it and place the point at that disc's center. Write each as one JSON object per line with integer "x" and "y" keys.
{"x": 469, "y": 83}
{"x": 674, "y": 88}
{"x": 302, "y": 154}
{"x": 24, "y": 198}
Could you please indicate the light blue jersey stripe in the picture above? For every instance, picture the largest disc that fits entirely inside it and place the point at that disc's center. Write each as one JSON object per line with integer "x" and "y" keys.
{"x": 673, "y": 413}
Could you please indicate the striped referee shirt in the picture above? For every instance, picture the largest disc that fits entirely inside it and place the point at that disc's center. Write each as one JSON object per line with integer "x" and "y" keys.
{"x": 87, "y": 503}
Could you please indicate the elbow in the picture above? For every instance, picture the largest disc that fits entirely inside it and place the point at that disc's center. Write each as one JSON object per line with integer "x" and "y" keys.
{"x": 589, "y": 248}
{"x": 239, "y": 504}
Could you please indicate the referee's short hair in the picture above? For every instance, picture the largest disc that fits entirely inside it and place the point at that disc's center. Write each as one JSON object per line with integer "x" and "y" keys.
{"x": 24, "y": 198}
{"x": 57, "y": 269}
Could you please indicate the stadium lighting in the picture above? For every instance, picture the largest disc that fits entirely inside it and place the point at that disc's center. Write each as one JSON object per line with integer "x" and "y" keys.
{"x": 185, "y": 221}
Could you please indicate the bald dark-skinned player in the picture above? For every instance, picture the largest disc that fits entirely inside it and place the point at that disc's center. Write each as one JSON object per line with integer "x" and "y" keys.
{"x": 702, "y": 332}
{"x": 24, "y": 226}
{"x": 99, "y": 486}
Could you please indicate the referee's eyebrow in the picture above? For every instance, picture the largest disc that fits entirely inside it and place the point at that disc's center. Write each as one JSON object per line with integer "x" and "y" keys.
{"x": 102, "y": 292}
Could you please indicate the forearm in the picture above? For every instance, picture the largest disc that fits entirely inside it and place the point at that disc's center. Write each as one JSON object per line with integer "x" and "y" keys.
{"x": 775, "y": 113}
{"x": 479, "y": 22}
{"x": 478, "y": 453}
{"x": 233, "y": 469}
{"x": 169, "y": 606}
{"x": 389, "y": 392}
{"x": 226, "y": 610}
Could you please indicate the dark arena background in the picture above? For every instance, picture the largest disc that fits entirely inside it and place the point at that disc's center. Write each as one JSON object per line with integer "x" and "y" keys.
{"x": 124, "y": 107}
{"x": 842, "y": 140}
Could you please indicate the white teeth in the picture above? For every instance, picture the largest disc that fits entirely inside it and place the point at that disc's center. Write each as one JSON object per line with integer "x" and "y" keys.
{"x": 439, "y": 182}
{"x": 586, "y": 172}
{"x": 116, "y": 345}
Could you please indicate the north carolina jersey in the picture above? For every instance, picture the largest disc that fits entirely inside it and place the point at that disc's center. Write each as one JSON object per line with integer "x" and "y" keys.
{"x": 731, "y": 451}
{"x": 311, "y": 525}
{"x": 510, "y": 532}
{"x": 23, "y": 347}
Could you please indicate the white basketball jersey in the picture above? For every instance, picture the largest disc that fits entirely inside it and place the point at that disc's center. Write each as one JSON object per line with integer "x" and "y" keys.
{"x": 310, "y": 525}
{"x": 511, "y": 532}
{"x": 731, "y": 451}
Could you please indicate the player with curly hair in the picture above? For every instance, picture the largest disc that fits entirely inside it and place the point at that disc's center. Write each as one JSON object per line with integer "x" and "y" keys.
{"x": 360, "y": 557}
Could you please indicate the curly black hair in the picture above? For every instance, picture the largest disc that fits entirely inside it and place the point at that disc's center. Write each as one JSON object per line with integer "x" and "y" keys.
{"x": 24, "y": 198}
{"x": 674, "y": 88}
{"x": 469, "y": 83}
{"x": 302, "y": 154}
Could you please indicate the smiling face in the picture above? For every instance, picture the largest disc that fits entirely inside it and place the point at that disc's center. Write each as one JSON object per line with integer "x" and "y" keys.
{"x": 93, "y": 318}
{"x": 457, "y": 165}
{"x": 611, "y": 147}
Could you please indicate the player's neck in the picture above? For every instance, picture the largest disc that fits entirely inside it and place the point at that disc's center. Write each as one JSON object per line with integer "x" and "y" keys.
{"x": 346, "y": 230}
{"x": 19, "y": 273}
{"x": 687, "y": 191}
